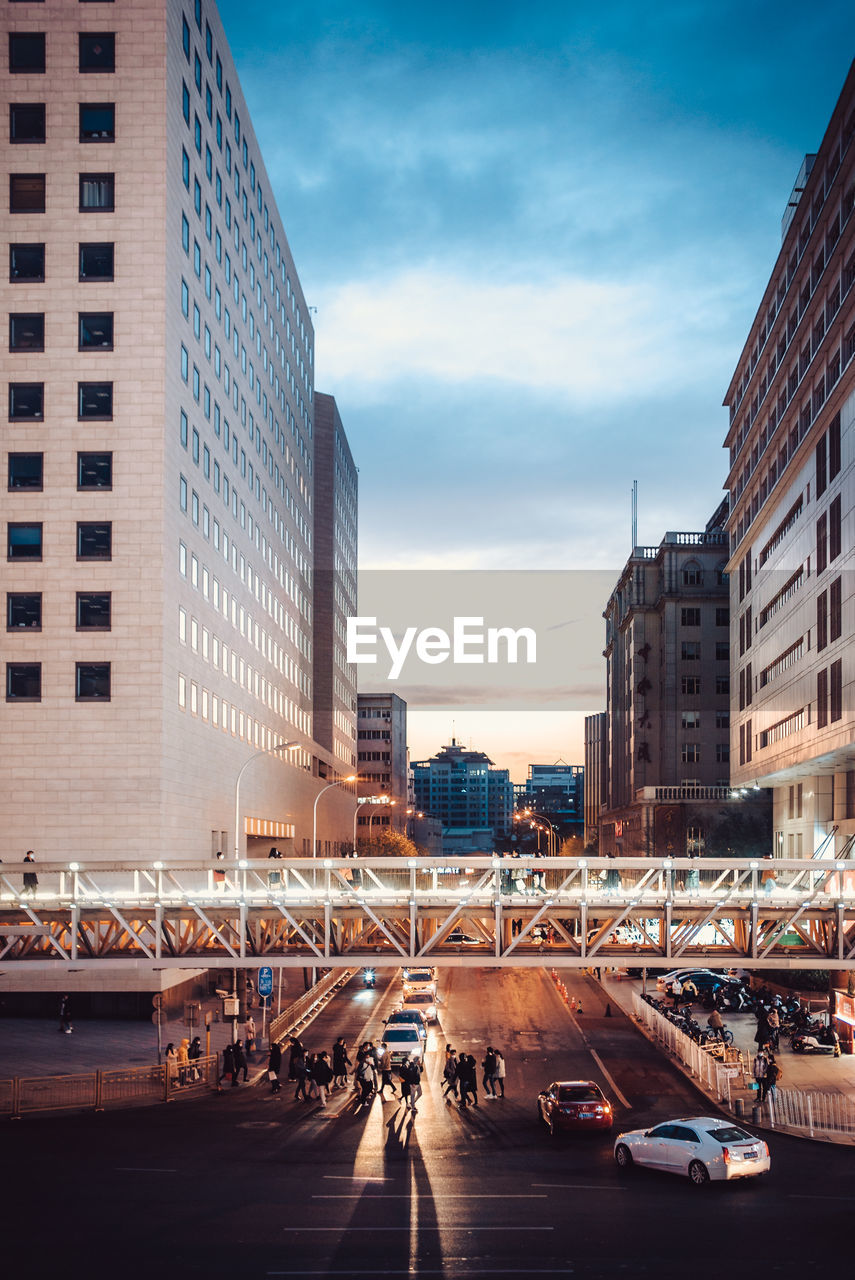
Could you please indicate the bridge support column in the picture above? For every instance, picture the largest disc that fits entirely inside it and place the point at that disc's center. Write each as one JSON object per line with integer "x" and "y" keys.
{"x": 158, "y": 930}
{"x": 75, "y": 926}
{"x": 753, "y": 914}
{"x": 583, "y": 927}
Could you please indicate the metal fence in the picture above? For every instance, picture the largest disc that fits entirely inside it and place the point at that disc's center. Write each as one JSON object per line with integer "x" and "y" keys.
{"x": 817, "y": 1113}
{"x": 98, "y": 1090}
{"x": 719, "y": 1076}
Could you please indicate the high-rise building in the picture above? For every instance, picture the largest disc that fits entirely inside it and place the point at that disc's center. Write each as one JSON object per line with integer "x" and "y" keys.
{"x": 382, "y": 758}
{"x": 667, "y": 783}
{"x": 791, "y": 441}
{"x": 336, "y": 503}
{"x": 596, "y": 738}
{"x": 159, "y": 511}
{"x": 466, "y": 792}
{"x": 555, "y": 792}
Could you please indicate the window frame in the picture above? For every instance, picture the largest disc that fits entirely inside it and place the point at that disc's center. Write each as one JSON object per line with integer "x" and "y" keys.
{"x": 26, "y": 244}
{"x": 31, "y": 139}
{"x": 21, "y": 317}
{"x": 93, "y": 524}
{"x": 25, "y": 488}
{"x": 95, "y": 245}
{"x": 91, "y": 136}
{"x": 15, "y": 627}
{"x": 80, "y": 668}
{"x": 104, "y": 178}
{"x": 32, "y": 667}
{"x": 17, "y": 180}
{"x": 95, "y": 70}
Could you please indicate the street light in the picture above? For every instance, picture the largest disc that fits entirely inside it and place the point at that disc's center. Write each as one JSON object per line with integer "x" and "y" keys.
{"x": 338, "y": 783}
{"x": 361, "y": 800}
{"x": 280, "y": 746}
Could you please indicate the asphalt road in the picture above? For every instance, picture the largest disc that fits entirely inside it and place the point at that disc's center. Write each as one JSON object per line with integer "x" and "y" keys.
{"x": 249, "y": 1185}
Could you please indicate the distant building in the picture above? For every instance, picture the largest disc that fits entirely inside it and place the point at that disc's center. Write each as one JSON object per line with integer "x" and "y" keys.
{"x": 382, "y": 761}
{"x": 596, "y": 739}
{"x": 466, "y": 792}
{"x": 556, "y": 792}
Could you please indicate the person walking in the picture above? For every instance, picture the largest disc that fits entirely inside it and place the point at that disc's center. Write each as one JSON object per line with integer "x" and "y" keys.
{"x": 773, "y": 1075}
{"x": 414, "y": 1075}
{"x": 364, "y": 1079}
{"x": 298, "y": 1071}
{"x": 194, "y": 1053}
{"x": 219, "y": 873}
{"x": 468, "y": 1077}
{"x": 31, "y": 880}
{"x": 676, "y": 992}
{"x": 773, "y": 1022}
{"x": 340, "y": 1063}
{"x": 499, "y": 1074}
{"x": 274, "y": 1066}
{"x": 759, "y": 1067}
{"x": 322, "y": 1076}
{"x": 488, "y": 1067}
{"x": 240, "y": 1063}
{"x": 171, "y": 1059}
{"x": 65, "y": 1015}
{"x": 228, "y": 1065}
{"x": 249, "y": 1034}
{"x": 449, "y": 1073}
{"x": 297, "y": 1052}
{"x": 385, "y": 1067}
{"x": 183, "y": 1059}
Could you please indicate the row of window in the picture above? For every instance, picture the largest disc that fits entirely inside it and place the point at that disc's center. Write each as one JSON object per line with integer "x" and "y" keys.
{"x": 24, "y": 541}
{"x": 28, "y": 192}
{"x": 690, "y": 686}
{"x": 26, "y": 471}
{"x": 91, "y": 681}
{"x": 690, "y": 753}
{"x": 93, "y": 611}
{"x": 94, "y": 331}
{"x": 691, "y": 617}
{"x": 690, "y": 651}
{"x": 27, "y": 401}
{"x": 96, "y": 51}
{"x": 27, "y": 262}
{"x": 692, "y": 719}
{"x": 28, "y": 122}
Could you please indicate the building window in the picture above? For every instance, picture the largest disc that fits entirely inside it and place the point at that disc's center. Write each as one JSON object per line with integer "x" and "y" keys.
{"x": 821, "y": 700}
{"x": 26, "y": 193}
{"x": 92, "y": 682}
{"x": 691, "y": 719}
{"x": 821, "y": 542}
{"x": 24, "y": 542}
{"x": 97, "y": 52}
{"x": 834, "y": 529}
{"x": 97, "y": 192}
{"x": 93, "y": 610}
{"x": 23, "y": 682}
{"x": 834, "y": 447}
{"x": 690, "y": 753}
{"x": 95, "y": 540}
{"x": 26, "y": 122}
{"x": 96, "y": 262}
{"x": 722, "y": 617}
{"x": 722, "y": 651}
{"x": 94, "y": 471}
{"x": 722, "y": 684}
{"x": 722, "y": 753}
{"x": 26, "y": 262}
{"x": 821, "y": 620}
{"x": 690, "y": 617}
{"x": 835, "y": 609}
{"x": 97, "y": 122}
{"x": 95, "y": 400}
{"x": 26, "y": 401}
{"x": 692, "y": 574}
{"x": 27, "y": 331}
{"x": 23, "y": 611}
{"x": 690, "y": 685}
{"x": 835, "y": 683}
{"x": 690, "y": 650}
{"x": 722, "y": 719}
{"x": 26, "y": 470}
{"x": 26, "y": 51}
{"x": 95, "y": 330}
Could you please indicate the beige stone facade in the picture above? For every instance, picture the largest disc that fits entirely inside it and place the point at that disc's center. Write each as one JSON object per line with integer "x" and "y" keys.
{"x": 204, "y": 519}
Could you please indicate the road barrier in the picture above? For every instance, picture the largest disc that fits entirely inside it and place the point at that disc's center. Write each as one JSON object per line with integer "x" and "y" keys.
{"x": 816, "y": 1113}
{"x": 98, "y": 1090}
{"x": 713, "y": 1074}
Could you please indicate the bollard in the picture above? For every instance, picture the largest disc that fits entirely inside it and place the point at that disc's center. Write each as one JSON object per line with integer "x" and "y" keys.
{"x": 755, "y": 1114}
{"x": 738, "y": 1108}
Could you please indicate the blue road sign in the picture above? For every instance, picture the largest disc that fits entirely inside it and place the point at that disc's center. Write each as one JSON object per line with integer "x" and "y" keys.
{"x": 265, "y": 981}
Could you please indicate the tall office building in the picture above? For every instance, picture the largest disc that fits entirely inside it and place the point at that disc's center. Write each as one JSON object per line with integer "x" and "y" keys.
{"x": 792, "y": 483}
{"x": 383, "y": 762}
{"x": 159, "y": 509}
{"x": 555, "y": 792}
{"x": 596, "y": 772}
{"x": 467, "y": 793}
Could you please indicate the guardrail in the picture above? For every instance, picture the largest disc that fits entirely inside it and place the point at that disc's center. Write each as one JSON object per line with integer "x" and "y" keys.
{"x": 308, "y": 1004}
{"x": 100, "y": 1090}
{"x": 814, "y": 1112}
{"x": 715, "y": 1075}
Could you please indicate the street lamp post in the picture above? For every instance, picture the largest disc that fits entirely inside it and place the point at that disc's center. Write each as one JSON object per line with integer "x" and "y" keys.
{"x": 360, "y": 801}
{"x": 280, "y": 746}
{"x": 338, "y": 783}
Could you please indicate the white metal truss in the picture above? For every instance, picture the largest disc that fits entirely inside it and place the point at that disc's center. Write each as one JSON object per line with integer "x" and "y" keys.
{"x": 468, "y": 911}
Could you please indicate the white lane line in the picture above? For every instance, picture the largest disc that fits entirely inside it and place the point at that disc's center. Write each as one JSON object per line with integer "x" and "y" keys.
{"x": 423, "y": 1227}
{"x": 440, "y": 1195}
{"x": 132, "y": 1169}
{"x": 610, "y": 1078}
{"x": 585, "y": 1186}
{"x": 432, "y": 1271}
{"x": 353, "y": 1177}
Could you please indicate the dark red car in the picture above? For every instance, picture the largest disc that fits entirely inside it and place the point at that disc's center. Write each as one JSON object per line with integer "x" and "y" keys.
{"x": 574, "y": 1105}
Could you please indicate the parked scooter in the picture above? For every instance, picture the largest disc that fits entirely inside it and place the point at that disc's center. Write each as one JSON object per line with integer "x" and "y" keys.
{"x": 825, "y": 1041}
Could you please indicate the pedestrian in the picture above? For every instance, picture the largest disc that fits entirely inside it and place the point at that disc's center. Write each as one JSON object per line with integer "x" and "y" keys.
{"x": 768, "y": 878}
{"x": 676, "y": 991}
{"x": 228, "y": 1065}
{"x": 773, "y": 1075}
{"x": 249, "y": 1034}
{"x": 499, "y": 1075}
{"x": 714, "y": 1022}
{"x": 692, "y": 878}
{"x": 194, "y": 1053}
{"x": 759, "y": 1068}
{"x": 183, "y": 1060}
{"x": 171, "y": 1059}
{"x": 404, "y": 1077}
{"x": 414, "y": 1075}
{"x": 322, "y": 1075}
{"x": 468, "y": 1078}
{"x": 31, "y": 880}
{"x": 274, "y": 878}
{"x": 274, "y": 1066}
{"x": 297, "y": 1052}
{"x": 488, "y": 1067}
{"x": 340, "y": 1063}
{"x": 298, "y": 1071}
{"x": 240, "y": 1063}
{"x": 65, "y": 1015}
{"x": 449, "y": 1072}
{"x": 385, "y": 1067}
{"x": 219, "y": 873}
{"x": 761, "y": 1035}
{"x": 773, "y": 1022}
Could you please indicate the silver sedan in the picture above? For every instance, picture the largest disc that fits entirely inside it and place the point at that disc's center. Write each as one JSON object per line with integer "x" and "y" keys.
{"x": 702, "y": 1148}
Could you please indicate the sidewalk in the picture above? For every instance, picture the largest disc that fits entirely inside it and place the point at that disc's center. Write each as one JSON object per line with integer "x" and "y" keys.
{"x": 812, "y": 1073}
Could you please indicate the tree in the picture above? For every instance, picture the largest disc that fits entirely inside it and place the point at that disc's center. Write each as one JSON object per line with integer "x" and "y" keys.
{"x": 388, "y": 844}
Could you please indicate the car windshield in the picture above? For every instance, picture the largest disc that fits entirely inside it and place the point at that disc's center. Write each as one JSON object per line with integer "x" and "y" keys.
{"x": 401, "y": 1035}
{"x": 579, "y": 1093}
{"x": 419, "y": 997}
{"x": 419, "y": 975}
{"x": 730, "y": 1134}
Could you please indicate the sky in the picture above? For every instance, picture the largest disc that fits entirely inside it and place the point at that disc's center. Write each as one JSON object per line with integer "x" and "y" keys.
{"x": 535, "y": 237}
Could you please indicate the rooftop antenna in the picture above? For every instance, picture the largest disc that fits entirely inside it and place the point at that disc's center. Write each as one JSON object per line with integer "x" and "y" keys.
{"x": 634, "y": 514}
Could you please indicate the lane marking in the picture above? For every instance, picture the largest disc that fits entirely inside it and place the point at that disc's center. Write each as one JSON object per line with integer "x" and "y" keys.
{"x": 577, "y": 1186}
{"x": 133, "y": 1169}
{"x": 795, "y": 1196}
{"x": 433, "y": 1271}
{"x": 353, "y": 1177}
{"x": 422, "y": 1227}
{"x": 441, "y": 1195}
{"x": 610, "y": 1078}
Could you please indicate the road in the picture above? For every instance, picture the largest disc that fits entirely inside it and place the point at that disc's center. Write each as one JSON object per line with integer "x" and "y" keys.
{"x": 248, "y": 1184}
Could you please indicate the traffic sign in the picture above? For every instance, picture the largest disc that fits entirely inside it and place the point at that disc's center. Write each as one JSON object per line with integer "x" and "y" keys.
{"x": 265, "y": 980}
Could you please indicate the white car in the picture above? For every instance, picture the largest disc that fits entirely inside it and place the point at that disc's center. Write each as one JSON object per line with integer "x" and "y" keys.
{"x": 420, "y": 1000}
{"x": 702, "y": 1148}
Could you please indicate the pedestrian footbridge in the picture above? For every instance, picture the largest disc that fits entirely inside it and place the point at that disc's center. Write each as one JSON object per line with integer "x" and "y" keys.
{"x": 498, "y": 912}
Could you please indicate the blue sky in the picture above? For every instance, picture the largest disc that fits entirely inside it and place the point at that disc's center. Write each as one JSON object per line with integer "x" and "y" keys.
{"x": 535, "y": 236}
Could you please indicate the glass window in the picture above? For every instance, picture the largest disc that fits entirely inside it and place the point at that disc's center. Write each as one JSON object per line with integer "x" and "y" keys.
{"x": 185, "y": 102}
{"x": 97, "y": 122}
{"x": 26, "y": 262}
{"x": 97, "y": 192}
{"x": 97, "y": 51}
{"x": 27, "y": 331}
{"x": 96, "y": 261}
{"x": 26, "y": 51}
{"x": 26, "y": 122}
{"x": 95, "y": 330}
{"x": 26, "y": 193}
{"x": 185, "y": 38}
{"x": 94, "y": 540}
{"x": 24, "y": 542}
{"x": 26, "y": 400}
{"x": 23, "y": 681}
{"x": 93, "y": 682}
{"x": 94, "y": 470}
{"x": 26, "y": 470}
{"x": 95, "y": 400}
{"x": 93, "y": 610}
{"x": 23, "y": 610}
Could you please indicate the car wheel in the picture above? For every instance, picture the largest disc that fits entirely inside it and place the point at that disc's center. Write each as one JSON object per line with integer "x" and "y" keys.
{"x": 698, "y": 1173}
{"x": 623, "y": 1156}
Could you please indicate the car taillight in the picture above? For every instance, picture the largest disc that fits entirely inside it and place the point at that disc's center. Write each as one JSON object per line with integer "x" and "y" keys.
{"x": 766, "y": 1149}
{"x": 726, "y": 1155}
{"x": 607, "y": 1109}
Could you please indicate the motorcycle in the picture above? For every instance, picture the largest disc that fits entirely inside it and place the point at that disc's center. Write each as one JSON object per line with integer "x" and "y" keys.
{"x": 826, "y": 1041}
{"x": 369, "y": 978}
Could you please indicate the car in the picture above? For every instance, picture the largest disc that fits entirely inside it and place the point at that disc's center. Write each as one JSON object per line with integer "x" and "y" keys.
{"x": 702, "y": 1148}
{"x": 574, "y": 1105}
{"x": 704, "y": 979}
{"x": 421, "y": 1000}
{"x": 403, "y": 1041}
{"x": 417, "y": 977}
{"x": 408, "y": 1017}
{"x": 460, "y": 938}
